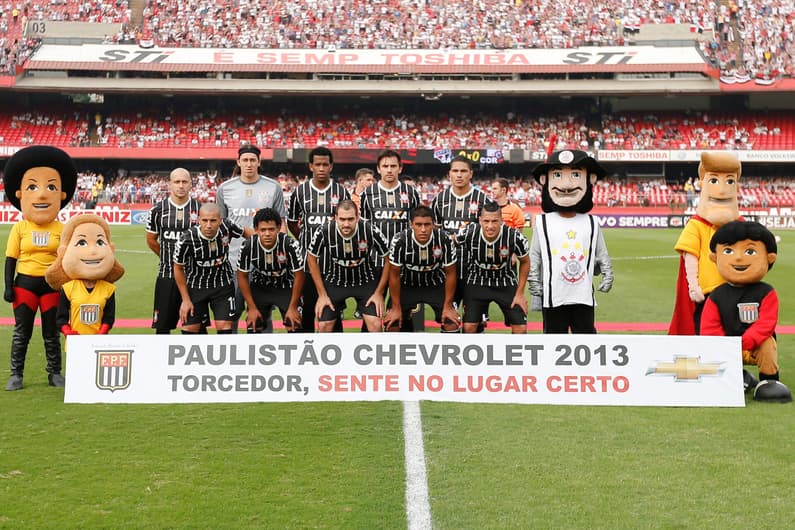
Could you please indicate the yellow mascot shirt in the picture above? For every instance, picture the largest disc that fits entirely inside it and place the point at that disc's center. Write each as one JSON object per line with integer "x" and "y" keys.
{"x": 34, "y": 246}
{"x": 694, "y": 239}
{"x": 86, "y": 309}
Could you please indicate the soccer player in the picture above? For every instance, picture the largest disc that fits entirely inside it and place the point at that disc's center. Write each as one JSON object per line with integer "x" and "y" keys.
{"x": 364, "y": 178}
{"x": 168, "y": 219}
{"x": 202, "y": 271}
{"x": 423, "y": 270}
{"x": 276, "y": 265}
{"x": 512, "y": 215}
{"x": 490, "y": 277}
{"x": 241, "y": 197}
{"x": 312, "y": 204}
{"x": 458, "y": 206}
{"x": 349, "y": 270}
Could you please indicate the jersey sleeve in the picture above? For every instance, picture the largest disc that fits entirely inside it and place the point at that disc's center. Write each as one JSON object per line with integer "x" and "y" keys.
{"x": 765, "y": 325}
{"x": 711, "y": 323}
{"x": 244, "y": 261}
{"x": 318, "y": 242}
{"x": 294, "y": 255}
{"x": 295, "y": 211}
{"x": 13, "y": 246}
{"x": 182, "y": 249}
{"x": 154, "y": 220}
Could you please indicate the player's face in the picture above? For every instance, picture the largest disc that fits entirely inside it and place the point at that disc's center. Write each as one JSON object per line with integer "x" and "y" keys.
{"x": 209, "y": 223}
{"x": 718, "y": 200}
{"x": 40, "y": 195}
{"x": 497, "y": 191}
{"x": 89, "y": 254}
{"x": 365, "y": 181}
{"x": 744, "y": 262}
{"x": 422, "y": 227}
{"x": 346, "y": 221}
{"x": 567, "y": 185}
{"x": 389, "y": 168}
{"x": 490, "y": 223}
{"x": 267, "y": 231}
{"x": 460, "y": 175}
{"x": 321, "y": 167}
{"x": 179, "y": 186}
{"x": 249, "y": 166}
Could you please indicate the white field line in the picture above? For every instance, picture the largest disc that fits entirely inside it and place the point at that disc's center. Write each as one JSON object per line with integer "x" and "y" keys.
{"x": 418, "y": 506}
{"x": 641, "y": 258}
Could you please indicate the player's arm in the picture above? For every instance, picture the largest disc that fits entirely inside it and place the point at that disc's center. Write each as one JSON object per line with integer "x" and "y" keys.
{"x": 711, "y": 323}
{"x": 449, "y": 314}
{"x": 252, "y": 313}
{"x": 323, "y": 299}
{"x": 765, "y": 325}
{"x": 534, "y": 276}
{"x": 524, "y": 269}
{"x": 292, "y": 320}
{"x": 379, "y": 294}
{"x": 186, "y": 308}
{"x": 295, "y": 228}
{"x": 12, "y": 255}
{"x": 153, "y": 243}
{"x": 394, "y": 315}
{"x": 605, "y": 264}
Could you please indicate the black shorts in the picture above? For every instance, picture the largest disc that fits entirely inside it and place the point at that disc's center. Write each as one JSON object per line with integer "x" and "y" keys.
{"x": 339, "y": 294}
{"x": 267, "y": 298}
{"x": 220, "y": 300}
{"x": 411, "y": 297}
{"x": 477, "y": 299}
{"x": 167, "y": 301}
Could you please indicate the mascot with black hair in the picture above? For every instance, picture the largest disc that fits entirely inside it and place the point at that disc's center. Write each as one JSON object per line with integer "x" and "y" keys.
{"x": 745, "y": 306}
{"x": 567, "y": 249}
{"x": 39, "y": 180}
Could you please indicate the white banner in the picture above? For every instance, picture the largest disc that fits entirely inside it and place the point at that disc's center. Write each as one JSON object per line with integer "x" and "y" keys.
{"x": 633, "y": 156}
{"x": 494, "y": 368}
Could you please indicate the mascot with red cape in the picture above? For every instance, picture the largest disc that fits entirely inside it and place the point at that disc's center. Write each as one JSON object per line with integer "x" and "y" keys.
{"x": 719, "y": 176}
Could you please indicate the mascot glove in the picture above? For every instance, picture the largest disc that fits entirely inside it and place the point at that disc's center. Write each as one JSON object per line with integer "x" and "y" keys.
{"x": 8, "y": 295}
{"x": 536, "y": 290}
{"x": 104, "y": 328}
{"x": 66, "y": 329}
{"x": 696, "y": 294}
{"x": 606, "y": 285}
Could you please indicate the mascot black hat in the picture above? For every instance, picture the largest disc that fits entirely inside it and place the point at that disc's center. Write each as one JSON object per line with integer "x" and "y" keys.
{"x": 39, "y": 156}
{"x": 569, "y": 158}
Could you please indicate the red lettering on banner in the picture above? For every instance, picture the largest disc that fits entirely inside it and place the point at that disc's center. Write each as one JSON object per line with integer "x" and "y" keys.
{"x": 389, "y": 58}
{"x": 494, "y": 383}
{"x": 587, "y": 383}
{"x": 434, "y": 58}
{"x": 291, "y": 58}
{"x": 266, "y": 58}
{"x": 359, "y": 383}
{"x": 326, "y": 58}
{"x": 494, "y": 59}
{"x": 346, "y": 58}
{"x": 433, "y": 383}
{"x": 223, "y": 57}
{"x": 517, "y": 58}
{"x": 9, "y": 216}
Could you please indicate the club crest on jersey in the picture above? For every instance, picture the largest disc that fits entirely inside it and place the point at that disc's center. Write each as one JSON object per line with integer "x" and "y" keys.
{"x": 748, "y": 312}
{"x": 362, "y": 245}
{"x": 404, "y": 198}
{"x": 113, "y": 369}
{"x": 194, "y": 217}
{"x": 504, "y": 252}
{"x": 281, "y": 257}
{"x": 473, "y": 208}
{"x": 437, "y": 252}
{"x": 40, "y": 239}
{"x": 335, "y": 200}
{"x": 89, "y": 314}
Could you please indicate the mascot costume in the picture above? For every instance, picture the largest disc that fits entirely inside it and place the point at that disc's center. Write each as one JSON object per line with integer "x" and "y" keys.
{"x": 567, "y": 249}
{"x": 745, "y": 306}
{"x": 719, "y": 176}
{"x": 84, "y": 272}
{"x": 39, "y": 181}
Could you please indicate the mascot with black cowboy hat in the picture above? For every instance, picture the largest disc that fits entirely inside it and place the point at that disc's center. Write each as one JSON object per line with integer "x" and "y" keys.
{"x": 39, "y": 181}
{"x": 567, "y": 249}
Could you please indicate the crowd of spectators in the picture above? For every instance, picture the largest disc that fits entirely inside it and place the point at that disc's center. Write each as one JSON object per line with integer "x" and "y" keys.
{"x": 748, "y": 38}
{"x": 349, "y": 128}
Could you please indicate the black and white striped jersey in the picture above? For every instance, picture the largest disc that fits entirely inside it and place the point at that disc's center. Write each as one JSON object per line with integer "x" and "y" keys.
{"x": 273, "y": 267}
{"x": 349, "y": 262}
{"x": 422, "y": 265}
{"x": 169, "y": 221}
{"x": 312, "y": 207}
{"x": 489, "y": 262}
{"x": 453, "y": 213}
{"x": 206, "y": 261}
{"x": 389, "y": 209}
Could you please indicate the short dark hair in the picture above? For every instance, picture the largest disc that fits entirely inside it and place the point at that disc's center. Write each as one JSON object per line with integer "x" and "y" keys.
{"x": 503, "y": 183}
{"x": 388, "y": 153}
{"x": 420, "y": 211}
{"x": 265, "y": 215}
{"x": 320, "y": 151}
{"x": 735, "y": 231}
{"x": 462, "y": 158}
{"x": 347, "y": 204}
{"x": 490, "y": 206}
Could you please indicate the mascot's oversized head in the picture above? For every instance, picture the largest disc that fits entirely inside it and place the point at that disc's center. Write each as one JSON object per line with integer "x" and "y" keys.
{"x": 86, "y": 253}
{"x": 567, "y": 180}
{"x": 719, "y": 175}
{"x": 39, "y": 181}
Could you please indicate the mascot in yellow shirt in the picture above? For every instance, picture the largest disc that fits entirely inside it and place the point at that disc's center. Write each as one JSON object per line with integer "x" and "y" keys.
{"x": 719, "y": 175}
{"x": 84, "y": 272}
{"x": 39, "y": 181}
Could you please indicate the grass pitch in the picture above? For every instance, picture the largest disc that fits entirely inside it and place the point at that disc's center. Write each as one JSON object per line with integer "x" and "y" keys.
{"x": 340, "y": 465}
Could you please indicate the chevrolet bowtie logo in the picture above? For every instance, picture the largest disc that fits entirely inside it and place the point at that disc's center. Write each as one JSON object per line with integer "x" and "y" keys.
{"x": 687, "y": 369}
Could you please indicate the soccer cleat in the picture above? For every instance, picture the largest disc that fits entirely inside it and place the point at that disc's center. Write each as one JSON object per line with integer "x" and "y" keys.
{"x": 772, "y": 391}
{"x": 749, "y": 381}
{"x": 56, "y": 380}
{"x": 14, "y": 382}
